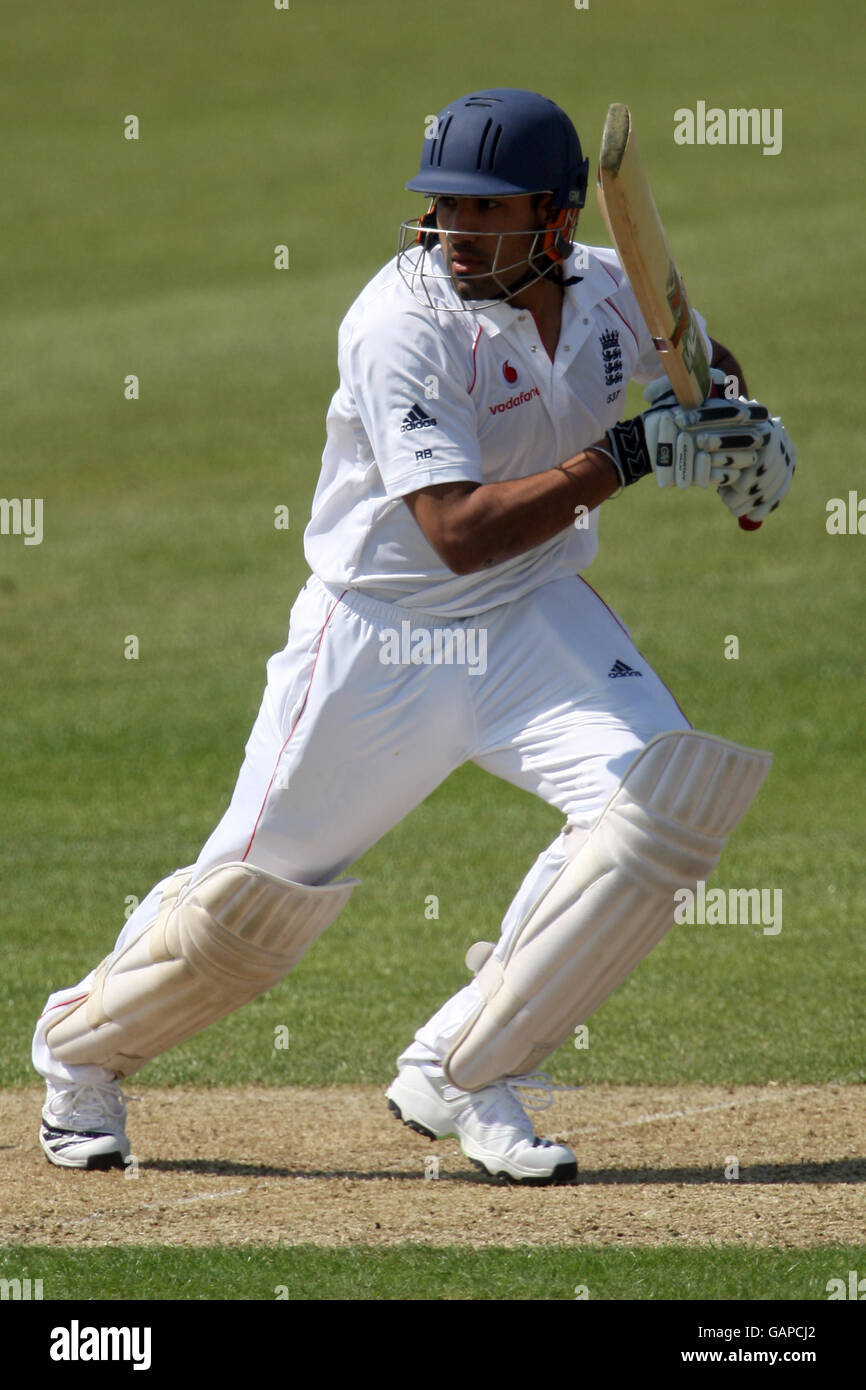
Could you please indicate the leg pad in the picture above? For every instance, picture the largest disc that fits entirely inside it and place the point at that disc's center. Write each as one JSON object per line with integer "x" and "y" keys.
{"x": 213, "y": 946}
{"x": 663, "y": 829}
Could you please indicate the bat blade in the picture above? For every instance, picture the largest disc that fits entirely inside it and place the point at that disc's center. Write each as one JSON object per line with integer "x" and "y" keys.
{"x": 632, "y": 219}
{"x": 636, "y": 229}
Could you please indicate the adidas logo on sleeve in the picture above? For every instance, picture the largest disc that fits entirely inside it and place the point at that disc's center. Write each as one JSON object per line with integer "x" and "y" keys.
{"x": 417, "y": 419}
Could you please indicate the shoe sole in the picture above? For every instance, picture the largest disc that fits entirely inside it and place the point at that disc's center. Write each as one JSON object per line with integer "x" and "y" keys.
{"x": 412, "y": 1124}
{"x": 562, "y": 1175}
{"x": 94, "y": 1163}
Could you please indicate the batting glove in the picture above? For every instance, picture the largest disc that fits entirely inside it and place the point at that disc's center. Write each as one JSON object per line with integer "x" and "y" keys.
{"x": 689, "y": 448}
{"x": 750, "y": 490}
{"x": 756, "y": 491}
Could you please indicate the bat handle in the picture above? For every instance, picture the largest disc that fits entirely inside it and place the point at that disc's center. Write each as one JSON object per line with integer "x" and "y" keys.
{"x": 747, "y": 525}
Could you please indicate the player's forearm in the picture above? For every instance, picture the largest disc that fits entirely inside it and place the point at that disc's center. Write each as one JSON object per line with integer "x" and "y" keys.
{"x": 498, "y": 521}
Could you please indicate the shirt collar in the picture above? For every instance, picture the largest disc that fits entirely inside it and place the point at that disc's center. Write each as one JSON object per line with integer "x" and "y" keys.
{"x": 594, "y": 283}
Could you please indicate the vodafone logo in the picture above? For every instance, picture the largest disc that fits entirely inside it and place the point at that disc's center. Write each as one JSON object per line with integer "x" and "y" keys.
{"x": 514, "y": 401}
{"x": 509, "y": 372}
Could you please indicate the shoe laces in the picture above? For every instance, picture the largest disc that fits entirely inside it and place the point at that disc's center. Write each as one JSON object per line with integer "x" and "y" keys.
{"x": 498, "y": 1107}
{"x": 509, "y": 1107}
{"x": 537, "y": 1085}
{"x": 90, "y": 1103}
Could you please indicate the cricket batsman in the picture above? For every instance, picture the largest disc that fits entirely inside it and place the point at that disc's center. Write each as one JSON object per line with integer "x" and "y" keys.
{"x": 474, "y": 438}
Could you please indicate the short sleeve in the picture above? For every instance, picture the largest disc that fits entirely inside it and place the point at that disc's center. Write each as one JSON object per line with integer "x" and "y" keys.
{"x": 410, "y": 381}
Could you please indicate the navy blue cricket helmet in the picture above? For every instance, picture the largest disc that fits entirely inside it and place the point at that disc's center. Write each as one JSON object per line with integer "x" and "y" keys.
{"x": 500, "y": 143}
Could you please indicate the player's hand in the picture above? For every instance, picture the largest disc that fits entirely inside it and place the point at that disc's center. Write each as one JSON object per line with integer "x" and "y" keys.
{"x": 755, "y": 492}
{"x": 750, "y": 490}
{"x": 704, "y": 446}
{"x": 689, "y": 448}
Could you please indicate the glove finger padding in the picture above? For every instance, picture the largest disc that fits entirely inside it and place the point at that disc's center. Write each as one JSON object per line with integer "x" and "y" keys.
{"x": 743, "y": 505}
{"x": 722, "y": 414}
{"x": 684, "y": 454}
{"x": 671, "y": 450}
{"x": 774, "y": 461}
{"x": 728, "y": 427}
{"x": 726, "y": 468}
{"x": 758, "y": 490}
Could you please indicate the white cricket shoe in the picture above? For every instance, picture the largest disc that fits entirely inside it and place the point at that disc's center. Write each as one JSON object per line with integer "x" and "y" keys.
{"x": 83, "y": 1126}
{"x": 493, "y": 1129}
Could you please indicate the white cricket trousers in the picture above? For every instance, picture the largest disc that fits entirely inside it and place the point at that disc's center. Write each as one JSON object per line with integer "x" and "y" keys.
{"x": 364, "y": 715}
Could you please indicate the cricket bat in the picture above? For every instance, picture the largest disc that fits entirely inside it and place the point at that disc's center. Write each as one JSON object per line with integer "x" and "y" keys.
{"x": 632, "y": 218}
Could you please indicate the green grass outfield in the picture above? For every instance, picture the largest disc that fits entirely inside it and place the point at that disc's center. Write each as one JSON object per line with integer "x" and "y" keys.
{"x": 306, "y": 1272}
{"x": 155, "y": 257}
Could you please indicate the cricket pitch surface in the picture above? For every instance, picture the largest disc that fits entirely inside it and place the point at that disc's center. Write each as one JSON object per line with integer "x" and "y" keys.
{"x": 758, "y": 1165}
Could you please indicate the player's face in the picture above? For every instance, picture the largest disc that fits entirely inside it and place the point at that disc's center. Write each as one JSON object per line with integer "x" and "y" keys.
{"x": 486, "y": 242}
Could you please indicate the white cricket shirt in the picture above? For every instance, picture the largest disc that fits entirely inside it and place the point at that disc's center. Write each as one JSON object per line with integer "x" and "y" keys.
{"x": 429, "y": 397}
